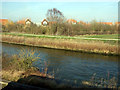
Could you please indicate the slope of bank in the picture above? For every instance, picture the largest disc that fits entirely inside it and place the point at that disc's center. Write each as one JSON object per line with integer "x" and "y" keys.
{"x": 73, "y": 44}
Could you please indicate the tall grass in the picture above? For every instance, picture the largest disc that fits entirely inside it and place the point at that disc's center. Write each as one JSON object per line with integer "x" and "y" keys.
{"x": 102, "y": 82}
{"x": 67, "y": 44}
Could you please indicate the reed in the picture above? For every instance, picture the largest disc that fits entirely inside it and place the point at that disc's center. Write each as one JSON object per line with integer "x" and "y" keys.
{"x": 67, "y": 44}
{"x": 102, "y": 82}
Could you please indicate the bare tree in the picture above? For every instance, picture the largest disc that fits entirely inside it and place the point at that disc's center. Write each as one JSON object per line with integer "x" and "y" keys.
{"x": 54, "y": 15}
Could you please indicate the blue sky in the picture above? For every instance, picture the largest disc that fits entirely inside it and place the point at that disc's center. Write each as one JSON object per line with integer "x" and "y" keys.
{"x": 85, "y": 11}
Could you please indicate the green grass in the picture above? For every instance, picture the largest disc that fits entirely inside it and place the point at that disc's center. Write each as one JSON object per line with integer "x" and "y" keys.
{"x": 105, "y": 36}
{"x": 86, "y": 37}
{"x": 39, "y": 36}
{"x": 111, "y": 39}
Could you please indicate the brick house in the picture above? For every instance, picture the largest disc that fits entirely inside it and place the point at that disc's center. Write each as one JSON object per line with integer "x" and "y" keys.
{"x": 71, "y": 21}
{"x": 4, "y": 21}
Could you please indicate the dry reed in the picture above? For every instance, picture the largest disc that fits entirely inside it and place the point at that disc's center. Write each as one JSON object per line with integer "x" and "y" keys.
{"x": 67, "y": 44}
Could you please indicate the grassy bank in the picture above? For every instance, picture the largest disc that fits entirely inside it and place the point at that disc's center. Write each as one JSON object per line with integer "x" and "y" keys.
{"x": 74, "y": 44}
{"x": 18, "y": 66}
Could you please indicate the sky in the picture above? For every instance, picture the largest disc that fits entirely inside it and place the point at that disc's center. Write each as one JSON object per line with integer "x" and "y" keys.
{"x": 80, "y": 11}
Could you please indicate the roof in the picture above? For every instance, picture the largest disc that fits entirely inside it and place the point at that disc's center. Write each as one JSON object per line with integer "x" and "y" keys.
{"x": 117, "y": 22}
{"x": 52, "y": 22}
{"x": 71, "y": 20}
{"x": 44, "y": 21}
{"x": 4, "y": 21}
{"x": 108, "y": 23}
{"x": 21, "y": 21}
{"x": 81, "y": 22}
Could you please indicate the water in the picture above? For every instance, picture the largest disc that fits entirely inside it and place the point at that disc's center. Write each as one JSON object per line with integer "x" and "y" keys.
{"x": 68, "y": 65}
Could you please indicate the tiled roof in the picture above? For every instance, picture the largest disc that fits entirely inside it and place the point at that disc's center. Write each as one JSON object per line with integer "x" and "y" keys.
{"x": 21, "y": 22}
{"x": 71, "y": 20}
{"x": 44, "y": 21}
{"x": 108, "y": 23}
{"x": 81, "y": 22}
{"x": 4, "y": 21}
{"x": 117, "y": 22}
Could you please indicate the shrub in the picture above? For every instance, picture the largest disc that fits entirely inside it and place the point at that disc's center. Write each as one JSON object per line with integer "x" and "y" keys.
{"x": 63, "y": 28}
{"x": 23, "y": 61}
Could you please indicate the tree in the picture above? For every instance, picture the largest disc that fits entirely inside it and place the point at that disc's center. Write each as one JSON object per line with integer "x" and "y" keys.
{"x": 55, "y": 19}
{"x": 54, "y": 15}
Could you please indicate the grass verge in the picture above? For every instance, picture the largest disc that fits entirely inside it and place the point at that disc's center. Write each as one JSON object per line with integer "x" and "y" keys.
{"x": 90, "y": 46}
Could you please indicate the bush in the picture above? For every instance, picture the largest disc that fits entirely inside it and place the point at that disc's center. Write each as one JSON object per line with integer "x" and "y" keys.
{"x": 63, "y": 28}
{"x": 23, "y": 61}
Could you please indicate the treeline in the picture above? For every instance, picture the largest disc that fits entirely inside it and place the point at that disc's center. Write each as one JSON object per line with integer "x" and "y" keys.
{"x": 63, "y": 29}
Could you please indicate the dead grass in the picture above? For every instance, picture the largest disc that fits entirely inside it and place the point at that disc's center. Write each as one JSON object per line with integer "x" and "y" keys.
{"x": 19, "y": 66}
{"x": 67, "y": 44}
{"x": 102, "y": 82}
{"x": 12, "y": 75}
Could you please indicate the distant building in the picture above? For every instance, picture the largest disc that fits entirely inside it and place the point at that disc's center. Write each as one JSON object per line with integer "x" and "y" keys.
{"x": 21, "y": 22}
{"x": 44, "y": 22}
{"x": 106, "y": 23}
{"x": 52, "y": 22}
{"x": 81, "y": 22}
{"x": 24, "y": 22}
{"x": 117, "y": 23}
{"x": 71, "y": 21}
{"x": 28, "y": 22}
{"x": 4, "y": 21}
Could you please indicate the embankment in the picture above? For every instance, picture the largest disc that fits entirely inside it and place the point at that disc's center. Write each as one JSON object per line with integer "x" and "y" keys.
{"x": 89, "y": 46}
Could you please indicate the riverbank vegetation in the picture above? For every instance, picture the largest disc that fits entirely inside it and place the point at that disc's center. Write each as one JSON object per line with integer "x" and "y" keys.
{"x": 18, "y": 66}
{"x": 90, "y": 46}
{"x": 102, "y": 82}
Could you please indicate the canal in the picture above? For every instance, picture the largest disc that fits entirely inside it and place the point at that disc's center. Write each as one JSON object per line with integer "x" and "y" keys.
{"x": 68, "y": 65}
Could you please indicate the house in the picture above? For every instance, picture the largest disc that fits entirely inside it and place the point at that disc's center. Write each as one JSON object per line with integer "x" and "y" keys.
{"x": 71, "y": 21}
{"x": 44, "y": 22}
{"x": 21, "y": 22}
{"x": 81, "y": 22}
{"x": 24, "y": 22}
{"x": 117, "y": 23}
{"x": 4, "y": 21}
{"x": 106, "y": 23}
{"x": 52, "y": 22}
{"x": 28, "y": 22}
